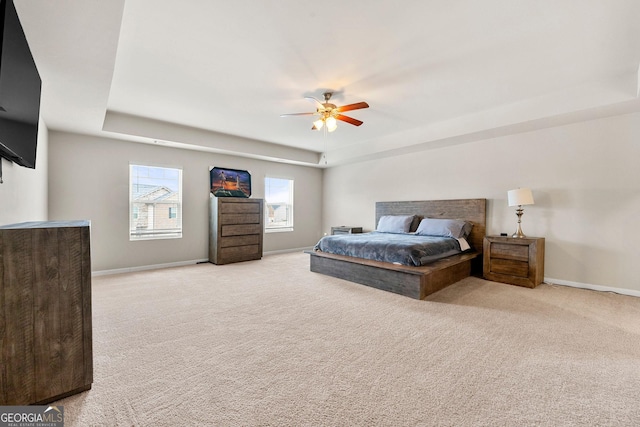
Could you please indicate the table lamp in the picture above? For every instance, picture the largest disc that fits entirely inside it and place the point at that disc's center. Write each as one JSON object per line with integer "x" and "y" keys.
{"x": 520, "y": 197}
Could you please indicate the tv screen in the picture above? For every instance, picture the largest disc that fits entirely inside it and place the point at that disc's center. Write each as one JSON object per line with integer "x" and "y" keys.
{"x": 19, "y": 91}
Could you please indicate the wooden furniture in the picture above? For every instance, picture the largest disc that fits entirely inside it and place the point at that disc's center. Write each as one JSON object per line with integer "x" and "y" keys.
{"x": 45, "y": 317}
{"x": 414, "y": 282}
{"x": 517, "y": 261}
{"x": 343, "y": 229}
{"x": 235, "y": 229}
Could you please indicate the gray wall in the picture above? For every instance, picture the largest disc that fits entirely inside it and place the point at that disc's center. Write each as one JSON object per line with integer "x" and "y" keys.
{"x": 23, "y": 196}
{"x": 585, "y": 180}
{"x": 89, "y": 179}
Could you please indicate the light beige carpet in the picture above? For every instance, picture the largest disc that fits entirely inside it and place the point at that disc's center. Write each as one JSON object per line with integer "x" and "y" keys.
{"x": 268, "y": 343}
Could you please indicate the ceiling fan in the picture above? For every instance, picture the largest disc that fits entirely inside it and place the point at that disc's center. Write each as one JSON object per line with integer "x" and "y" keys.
{"x": 329, "y": 113}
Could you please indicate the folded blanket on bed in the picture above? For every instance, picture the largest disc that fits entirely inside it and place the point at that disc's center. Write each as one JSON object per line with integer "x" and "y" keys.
{"x": 405, "y": 249}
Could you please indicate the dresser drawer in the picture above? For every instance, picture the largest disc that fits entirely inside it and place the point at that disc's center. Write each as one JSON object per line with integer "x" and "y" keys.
{"x": 233, "y": 207}
{"x": 249, "y": 239}
{"x": 239, "y": 230}
{"x": 239, "y": 253}
{"x": 240, "y": 218}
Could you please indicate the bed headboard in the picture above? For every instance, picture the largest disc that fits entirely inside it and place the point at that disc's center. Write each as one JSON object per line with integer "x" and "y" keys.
{"x": 472, "y": 210}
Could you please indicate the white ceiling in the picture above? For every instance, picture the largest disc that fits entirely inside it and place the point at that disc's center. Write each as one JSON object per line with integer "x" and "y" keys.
{"x": 216, "y": 75}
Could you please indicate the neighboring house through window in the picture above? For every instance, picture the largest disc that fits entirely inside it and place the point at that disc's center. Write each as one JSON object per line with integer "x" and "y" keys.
{"x": 278, "y": 193}
{"x": 155, "y": 202}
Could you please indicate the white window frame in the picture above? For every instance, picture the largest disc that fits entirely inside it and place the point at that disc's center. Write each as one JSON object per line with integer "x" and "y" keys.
{"x": 269, "y": 226}
{"x": 146, "y": 224}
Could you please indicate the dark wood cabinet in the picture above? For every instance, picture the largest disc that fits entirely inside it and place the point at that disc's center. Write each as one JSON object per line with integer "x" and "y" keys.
{"x": 517, "y": 261}
{"x": 236, "y": 228}
{"x": 343, "y": 229}
{"x": 45, "y": 317}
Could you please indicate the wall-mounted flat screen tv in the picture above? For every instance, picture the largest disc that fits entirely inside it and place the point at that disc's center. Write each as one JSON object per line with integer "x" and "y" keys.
{"x": 19, "y": 91}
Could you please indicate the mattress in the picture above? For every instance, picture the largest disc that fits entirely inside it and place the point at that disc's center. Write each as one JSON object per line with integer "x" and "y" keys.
{"x": 405, "y": 249}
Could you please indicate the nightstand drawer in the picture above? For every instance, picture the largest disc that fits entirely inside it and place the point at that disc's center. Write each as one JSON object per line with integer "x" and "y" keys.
{"x": 510, "y": 267}
{"x": 509, "y": 251}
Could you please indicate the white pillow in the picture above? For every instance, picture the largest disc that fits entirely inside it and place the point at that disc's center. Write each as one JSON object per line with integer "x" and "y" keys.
{"x": 394, "y": 223}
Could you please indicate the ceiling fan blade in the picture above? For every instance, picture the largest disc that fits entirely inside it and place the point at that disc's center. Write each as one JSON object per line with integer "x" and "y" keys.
{"x": 356, "y": 106}
{"x": 348, "y": 119}
{"x": 297, "y": 114}
{"x": 315, "y": 102}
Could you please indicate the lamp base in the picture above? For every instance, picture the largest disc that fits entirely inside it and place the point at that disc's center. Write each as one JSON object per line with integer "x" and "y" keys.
{"x": 519, "y": 234}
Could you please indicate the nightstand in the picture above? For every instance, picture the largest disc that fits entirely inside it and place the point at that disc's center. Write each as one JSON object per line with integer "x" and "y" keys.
{"x": 513, "y": 260}
{"x": 343, "y": 229}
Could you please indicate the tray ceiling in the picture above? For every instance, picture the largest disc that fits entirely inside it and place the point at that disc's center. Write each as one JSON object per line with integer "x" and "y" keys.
{"x": 215, "y": 76}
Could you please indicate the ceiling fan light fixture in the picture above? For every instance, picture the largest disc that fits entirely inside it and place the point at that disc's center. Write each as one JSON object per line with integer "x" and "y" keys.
{"x": 318, "y": 124}
{"x": 331, "y": 124}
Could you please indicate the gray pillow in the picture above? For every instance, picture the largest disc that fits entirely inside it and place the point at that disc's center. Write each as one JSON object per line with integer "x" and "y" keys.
{"x": 394, "y": 223}
{"x": 444, "y": 228}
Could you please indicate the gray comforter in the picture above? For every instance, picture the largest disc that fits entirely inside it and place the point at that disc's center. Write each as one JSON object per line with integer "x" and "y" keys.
{"x": 405, "y": 249}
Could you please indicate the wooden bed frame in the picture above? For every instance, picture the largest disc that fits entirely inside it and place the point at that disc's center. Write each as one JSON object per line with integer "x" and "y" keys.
{"x": 414, "y": 282}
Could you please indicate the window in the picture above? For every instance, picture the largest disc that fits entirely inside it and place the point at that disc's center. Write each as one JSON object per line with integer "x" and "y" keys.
{"x": 278, "y": 194}
{"x": 155, "y": 202}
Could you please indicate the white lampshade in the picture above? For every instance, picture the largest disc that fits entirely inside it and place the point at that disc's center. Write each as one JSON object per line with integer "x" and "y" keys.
{"x": 521, "y": 196}
{"x": 318, "y": 124}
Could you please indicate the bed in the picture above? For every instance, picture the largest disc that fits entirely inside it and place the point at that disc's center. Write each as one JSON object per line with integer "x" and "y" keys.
{"x": 410, "y": 280}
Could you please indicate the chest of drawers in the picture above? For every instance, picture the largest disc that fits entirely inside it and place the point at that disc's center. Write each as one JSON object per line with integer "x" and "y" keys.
{"x": 235, "y": 229}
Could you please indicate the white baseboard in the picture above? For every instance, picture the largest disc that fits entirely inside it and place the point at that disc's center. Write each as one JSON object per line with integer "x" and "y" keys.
{"x": 600, "y": 288}
{"x": 286, "y": 251}
{"x": 147, "y": 267}
{"x": 181, "y": 263}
